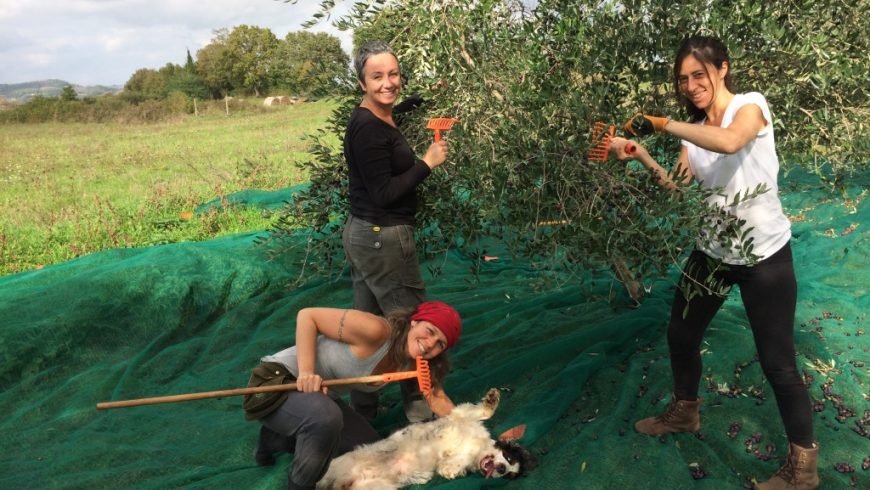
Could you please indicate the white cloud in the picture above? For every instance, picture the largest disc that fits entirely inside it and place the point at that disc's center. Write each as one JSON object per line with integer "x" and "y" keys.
{"x": 9, "y": 9}
{"x": 105, "y": 41}
{"x": 111, "y": 42}
{"x": 40, "y": 59}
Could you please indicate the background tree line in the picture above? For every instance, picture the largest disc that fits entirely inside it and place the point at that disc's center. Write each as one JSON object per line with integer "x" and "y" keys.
{"x": 249, "y": 60}
{"x": 244, "y": 61}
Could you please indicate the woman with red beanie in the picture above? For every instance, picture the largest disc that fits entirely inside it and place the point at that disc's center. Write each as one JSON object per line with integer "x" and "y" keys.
{"x": 333, "y": 343}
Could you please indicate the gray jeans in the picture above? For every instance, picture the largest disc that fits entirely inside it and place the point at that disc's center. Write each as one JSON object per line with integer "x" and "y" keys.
{"x": 386, "y": 276}
{"x": 384, "y": 266}
{"x": 324, "y": 428}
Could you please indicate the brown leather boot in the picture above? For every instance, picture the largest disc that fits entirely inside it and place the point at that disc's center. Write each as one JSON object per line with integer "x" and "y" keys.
{"x": 679, "y": 416}
{"x": 798, "y": 472}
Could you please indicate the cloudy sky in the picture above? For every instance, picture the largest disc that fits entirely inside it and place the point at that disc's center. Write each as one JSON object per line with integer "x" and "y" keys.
{"x": 102, "y": 42}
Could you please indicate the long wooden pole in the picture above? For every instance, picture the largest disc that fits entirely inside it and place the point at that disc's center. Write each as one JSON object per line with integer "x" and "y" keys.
{"x": 384, "y": 378}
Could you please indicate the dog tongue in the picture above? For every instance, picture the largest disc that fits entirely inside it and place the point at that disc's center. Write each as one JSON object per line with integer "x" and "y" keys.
{"x": 489, "y": 467}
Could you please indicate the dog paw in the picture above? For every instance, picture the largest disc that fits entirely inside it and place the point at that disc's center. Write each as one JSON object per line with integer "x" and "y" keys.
{"x": 451, "y": 472}
{"x": 490, "y": 401}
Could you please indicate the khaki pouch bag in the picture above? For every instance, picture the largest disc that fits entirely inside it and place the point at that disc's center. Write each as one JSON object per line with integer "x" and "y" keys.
{"x": 259, "y": 405}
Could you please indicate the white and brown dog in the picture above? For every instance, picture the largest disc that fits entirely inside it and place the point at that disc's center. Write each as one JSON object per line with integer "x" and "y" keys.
{"x": 451, "y": 446}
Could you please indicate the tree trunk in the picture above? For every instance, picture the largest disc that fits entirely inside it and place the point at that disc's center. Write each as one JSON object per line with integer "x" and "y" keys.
{"x": 625, "y": 276}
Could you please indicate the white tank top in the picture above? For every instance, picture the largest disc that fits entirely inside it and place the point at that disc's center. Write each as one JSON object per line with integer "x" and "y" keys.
{"x": 754, "y": 164}
{"x": 334, "y": 360}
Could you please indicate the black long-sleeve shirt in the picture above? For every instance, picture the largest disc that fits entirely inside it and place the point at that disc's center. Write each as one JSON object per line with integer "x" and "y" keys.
{"x": 384, "y": 172}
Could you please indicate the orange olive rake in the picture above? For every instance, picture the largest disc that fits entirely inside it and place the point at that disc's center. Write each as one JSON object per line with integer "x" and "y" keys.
{"x": 602, "y": 137}
{"x": 440, "y": 124}
{"x": 422, "y": 373}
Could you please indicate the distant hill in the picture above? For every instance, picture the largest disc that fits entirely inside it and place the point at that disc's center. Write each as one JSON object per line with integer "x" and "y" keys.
{"x": 22, "y": 92}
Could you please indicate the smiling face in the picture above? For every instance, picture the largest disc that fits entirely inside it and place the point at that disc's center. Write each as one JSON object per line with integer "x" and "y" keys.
{"x": 425, "y": 340}
{"x": 381, "y": 79}
{"x": 701, "y": 82}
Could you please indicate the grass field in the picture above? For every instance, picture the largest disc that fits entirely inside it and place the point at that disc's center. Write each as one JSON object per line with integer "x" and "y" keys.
{"x": 71, "y": 189}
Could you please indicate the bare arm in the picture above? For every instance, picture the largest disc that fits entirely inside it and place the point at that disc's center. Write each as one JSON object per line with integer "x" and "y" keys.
{"x": 748, "y": 121}
{"x": 682, "y": 169}
{"x": 356, "y": 328}
{"x": 440, "y": 404}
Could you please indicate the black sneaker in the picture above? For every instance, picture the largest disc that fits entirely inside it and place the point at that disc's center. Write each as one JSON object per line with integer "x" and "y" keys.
{"x": 264, "y": 458}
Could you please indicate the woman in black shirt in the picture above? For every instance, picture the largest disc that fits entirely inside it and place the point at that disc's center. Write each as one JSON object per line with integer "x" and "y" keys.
{"x": 384, "y": 174}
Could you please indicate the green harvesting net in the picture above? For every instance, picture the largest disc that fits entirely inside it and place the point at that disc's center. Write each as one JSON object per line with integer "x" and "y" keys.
{"x": 576, "y": 367}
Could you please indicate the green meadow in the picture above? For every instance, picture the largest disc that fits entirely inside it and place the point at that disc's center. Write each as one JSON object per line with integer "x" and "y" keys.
{"x": 68, "y": 189}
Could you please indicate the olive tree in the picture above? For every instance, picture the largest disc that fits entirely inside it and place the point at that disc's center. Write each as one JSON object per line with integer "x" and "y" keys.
{"x": 528, "y": 80}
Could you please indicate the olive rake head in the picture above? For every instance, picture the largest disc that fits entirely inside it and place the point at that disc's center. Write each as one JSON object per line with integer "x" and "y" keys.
{"x": 441, "y": 124}
{"x": 424, "y": 376}
{"x": 602, "y": 136}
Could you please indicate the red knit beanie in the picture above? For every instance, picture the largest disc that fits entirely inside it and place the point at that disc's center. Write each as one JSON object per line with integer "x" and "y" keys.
{"x": 442, "y": 316}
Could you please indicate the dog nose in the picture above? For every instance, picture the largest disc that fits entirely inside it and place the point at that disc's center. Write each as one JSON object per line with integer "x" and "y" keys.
{"x": 501, "y": 469}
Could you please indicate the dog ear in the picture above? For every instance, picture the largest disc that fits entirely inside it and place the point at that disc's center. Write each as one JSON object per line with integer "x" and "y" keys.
{"x": 513, "y": 434}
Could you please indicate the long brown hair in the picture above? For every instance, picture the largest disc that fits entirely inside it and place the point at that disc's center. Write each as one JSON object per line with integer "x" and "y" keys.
{"x": 400, "y": 325}
{"x": 705, "y": 49}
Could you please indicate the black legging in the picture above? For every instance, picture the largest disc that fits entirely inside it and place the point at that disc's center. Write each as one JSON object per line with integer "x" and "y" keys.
{"x": 769, "y": 293}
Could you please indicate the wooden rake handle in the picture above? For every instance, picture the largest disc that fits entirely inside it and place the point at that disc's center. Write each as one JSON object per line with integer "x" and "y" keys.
{"x": 375, "y": 378}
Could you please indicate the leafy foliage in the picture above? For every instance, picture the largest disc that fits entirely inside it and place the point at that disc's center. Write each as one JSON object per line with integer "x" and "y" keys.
{"x": 527, "y": 84}
{"x": 251, "y": 59}
{"x": 308, "y": 62}
{"x": 214, "y": 66}
{"x": 251, "y": 51}
{"x": 144, "y": 84}
{"x": 68, "y": 93}
{"x": 125, "y": 107}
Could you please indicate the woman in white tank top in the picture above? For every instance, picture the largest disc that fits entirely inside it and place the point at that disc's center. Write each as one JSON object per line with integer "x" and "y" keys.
{"x": 728, "y": 145}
